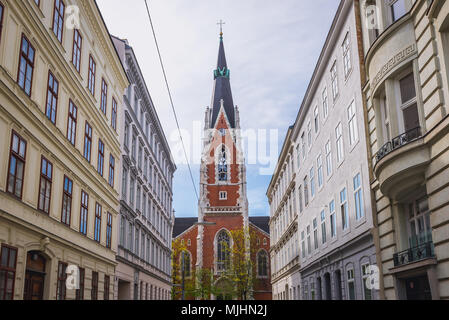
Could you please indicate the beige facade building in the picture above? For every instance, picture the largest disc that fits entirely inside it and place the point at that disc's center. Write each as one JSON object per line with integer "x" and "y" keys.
{"x": 407, "y": 66}
{"x": 60, "y": 92}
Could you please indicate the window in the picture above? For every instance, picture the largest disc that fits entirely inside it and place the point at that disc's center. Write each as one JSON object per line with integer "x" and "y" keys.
{"x": 316, "y": 119}
{"x": 76, "y": 51}
{"x": 134, "y": 147}
{"x": 353, "y": 130}
{"x": 328, "y": 159}
{"x": 109, "y": 231}
{"x": 58, "y": 19}
{"x": 84, "y": 211}
{"x": 52, "y": 98}
{"x": 26, "y": 66}
{"x": 325, "y": 104}
{"x": 262, "y": 263}
{"x": 111, "y": 170}
{"x": 45, "y": 185}
{"x": 358, "y": 197}
{"x": 97, "y": 226}
{"x": 100, "y": 162}
{"x": 306, "y": 192}
{"x": 67, "y": 201}
{"x": 397, "y": 10}
{"x": 347, "y": 64}
{"x": 80, "y": 291}
{"x": 104, "y": 96}
{"x": 333, "y": 219}
{"x": 303, "y": 143}
{"x": 106, "y": 287}
{"x": 185, "y": 263}
{"x": 323, "y": 227}
{"x": 140, "y": 155}
{"x": 409, "y": 105}
{"x": 62, "y": 277}
{"x": 16, "y": 165}
{"x": 365, "y": 275}
{"x": 298, "y": 157}
{"x": 91, "y": 75}
{"x": 315, "y": 233}
{"x": 87, "y": 142}
{"x": 8, "y": 262}
{"x": 351, "y": 285}
{"x": 312, "y": 182}
{"x": 339, "y": 135}
{"x": 138, "y": 196}
{"x": 334, "y": 80}
{"x": 94, "y": 290}
{"x": 223, "y": 195}
{"x": 344, "y": 209}
{"x": 303, "y": 244}
{"x": 222, "y": 165}
{"x": 309, "y": 134}
{"x": 320, "y": 170}
{"x": 71, "y": 122}
{"x": 300, "y": 199}
{"x": 309, "y": 242}
{"x": 223, "y": 251}
{"x": 114, "y": 114}
{"x": 126, "y": 135}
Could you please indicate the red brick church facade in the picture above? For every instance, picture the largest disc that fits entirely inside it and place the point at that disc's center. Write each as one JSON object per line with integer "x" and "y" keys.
{"x": 223, "y": 204}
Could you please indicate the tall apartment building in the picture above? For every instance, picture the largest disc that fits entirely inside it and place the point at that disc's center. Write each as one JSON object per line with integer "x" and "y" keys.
{"x": 146, "y": 175}
{"x": 407, "y": 68}
{"x": 284, "y": 251}
{"x": 60, "y": 90}
{"x": 329, "y": 184}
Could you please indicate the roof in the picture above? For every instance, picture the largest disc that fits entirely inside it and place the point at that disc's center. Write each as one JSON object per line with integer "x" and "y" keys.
{"x": 182, "y": 224}
{"x": 261, "y": 222}
{"x": 222, "y": 89}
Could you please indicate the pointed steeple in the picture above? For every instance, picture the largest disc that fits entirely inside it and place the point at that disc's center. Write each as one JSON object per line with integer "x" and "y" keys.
{"x": 222, "y": 88}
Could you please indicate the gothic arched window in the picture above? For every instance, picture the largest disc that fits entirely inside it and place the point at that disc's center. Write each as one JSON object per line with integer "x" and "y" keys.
{"x": 222, "y": 165}
{"x": 262, "y": 263}
{"x": 185, "y": 263}
{"x": 223, "y": 251}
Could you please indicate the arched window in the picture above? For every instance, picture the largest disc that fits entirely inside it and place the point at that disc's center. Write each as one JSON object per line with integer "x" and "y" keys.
{"x": 222, "y": 165}
{"x": 185, "y": 263}
{"x": 223, "y": 251}
{"x": 262, "y": 263}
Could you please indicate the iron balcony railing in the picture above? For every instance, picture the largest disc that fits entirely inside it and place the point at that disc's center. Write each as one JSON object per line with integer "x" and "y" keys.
{"x": 398, "y": 142}
{"x": 421, "y": 252}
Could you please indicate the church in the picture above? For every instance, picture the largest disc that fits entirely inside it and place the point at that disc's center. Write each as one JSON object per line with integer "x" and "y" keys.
{"x": 210, "y": 241}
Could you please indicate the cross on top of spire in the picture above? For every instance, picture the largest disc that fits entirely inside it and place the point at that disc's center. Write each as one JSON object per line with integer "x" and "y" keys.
{"x": 221, "y": 23}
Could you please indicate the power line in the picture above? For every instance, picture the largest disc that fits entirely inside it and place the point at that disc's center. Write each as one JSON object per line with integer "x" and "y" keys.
{"x": 171, "y": 100}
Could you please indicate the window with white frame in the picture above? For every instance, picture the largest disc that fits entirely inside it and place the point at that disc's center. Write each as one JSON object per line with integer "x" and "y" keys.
{"x": 344, "y": 209}
{"x": 312, "y": 182}
{"x": 339, "y": 137}
{"x": 306, "y": 192}
{"x": 303, "y": 143}
{"x": 334, "y": 81}
{"x": 358, "y": 197}
{"x": 298, "y": 157}
{"x": 333, "y": 219}
{"x": 386, "y": 119}
{"x": 323, "y": 226}
{"x": 316, "y": 119}
{"x": 408, "y": 103}
{"x": 309, "y": 134}
{"x": 365, "y": 275}
{"x": 309, "y": 241}
{"x": 300, "y": 199}
{"x": 351, "y": 284}
{"x": 223, "y": 195}
{"x": 328, "y": 158}
{"x": 352, "y": 121}
{"x": 347, "y": 63}
{"x": 398, "y": 10}
{"x": 325, "y": 104}
{"x": 315, "y": 234}
{"x": 303, "y": 244}
{"x": 320, "y": 170}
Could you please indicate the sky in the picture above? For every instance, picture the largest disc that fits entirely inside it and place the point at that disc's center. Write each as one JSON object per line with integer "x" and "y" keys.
{"x": 271, "y": 48}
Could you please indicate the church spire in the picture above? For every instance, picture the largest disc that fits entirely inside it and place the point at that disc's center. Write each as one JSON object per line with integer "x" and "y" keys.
{"x": 222, "y": 87}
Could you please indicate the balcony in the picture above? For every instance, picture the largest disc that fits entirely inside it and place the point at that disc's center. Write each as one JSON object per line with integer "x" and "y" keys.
{"x": 421, "y": 252}
{"x": 401, "y": 163}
